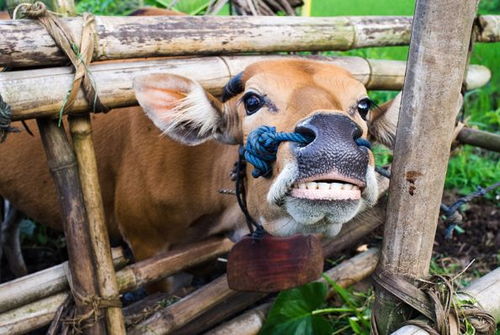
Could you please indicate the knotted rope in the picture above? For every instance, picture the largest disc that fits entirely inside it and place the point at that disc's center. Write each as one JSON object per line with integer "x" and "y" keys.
{"x": 80, "y": 56}
{"x": 262, "y": 146}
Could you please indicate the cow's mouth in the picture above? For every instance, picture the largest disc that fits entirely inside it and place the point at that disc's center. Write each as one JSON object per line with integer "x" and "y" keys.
{"x": 331, "y": 187}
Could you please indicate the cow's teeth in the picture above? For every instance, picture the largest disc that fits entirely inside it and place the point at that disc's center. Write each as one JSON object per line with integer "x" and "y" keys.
{"x": 302, "y": 186}
{"x": 323, "y": 186}
{"x": 336, "y": 186}
{"x": 311, "y": 186}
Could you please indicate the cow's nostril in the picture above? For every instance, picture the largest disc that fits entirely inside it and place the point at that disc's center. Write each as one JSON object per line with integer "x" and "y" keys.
{"x": 307, "y": 132}
{"x": 357, "y": 133}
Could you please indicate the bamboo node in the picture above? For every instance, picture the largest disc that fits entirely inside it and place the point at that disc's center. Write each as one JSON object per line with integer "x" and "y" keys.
{"x": 438, "y": 300}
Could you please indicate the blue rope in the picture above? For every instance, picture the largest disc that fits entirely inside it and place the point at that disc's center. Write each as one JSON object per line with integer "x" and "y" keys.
{"x": 262, "y": 146}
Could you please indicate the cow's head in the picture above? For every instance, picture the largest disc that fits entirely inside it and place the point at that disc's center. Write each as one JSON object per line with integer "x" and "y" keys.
{"x": 313, "y": 188}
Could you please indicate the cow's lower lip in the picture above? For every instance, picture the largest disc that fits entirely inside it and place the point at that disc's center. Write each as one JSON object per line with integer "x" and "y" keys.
{"x": 331, "y": 195}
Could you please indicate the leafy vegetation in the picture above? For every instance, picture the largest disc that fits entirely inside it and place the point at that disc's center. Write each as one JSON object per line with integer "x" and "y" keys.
{"x": 305, "y": 311}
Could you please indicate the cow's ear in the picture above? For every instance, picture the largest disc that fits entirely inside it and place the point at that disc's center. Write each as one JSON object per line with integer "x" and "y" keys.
{"x": 383, "y": 121}
{"x": 181, "y": 108}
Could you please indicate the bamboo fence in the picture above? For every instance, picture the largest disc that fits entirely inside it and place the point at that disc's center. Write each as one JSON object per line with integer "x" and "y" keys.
{"x": 25, "y": 43}
{"x": 27, "y": 94}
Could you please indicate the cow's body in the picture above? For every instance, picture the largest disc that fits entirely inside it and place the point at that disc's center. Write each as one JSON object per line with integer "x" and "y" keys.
{"x": 156, "y": 192}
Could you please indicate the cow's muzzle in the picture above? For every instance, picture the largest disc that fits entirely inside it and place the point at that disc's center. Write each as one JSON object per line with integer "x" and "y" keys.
{"x": 332, "y": 161}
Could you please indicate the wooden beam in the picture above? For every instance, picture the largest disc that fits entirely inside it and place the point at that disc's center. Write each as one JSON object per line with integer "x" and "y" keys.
{"x": 27, "y": 94}
{"x": 436, "y": 65}
{"x": 26, "y": 44}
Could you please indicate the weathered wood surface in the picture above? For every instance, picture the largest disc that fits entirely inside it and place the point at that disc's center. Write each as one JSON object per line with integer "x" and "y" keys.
{"x": 81, "y": 135}
{"x": 436, "y": 67}
{"x": 174, "y": 316}
{"x": 41, "y": 92}
{"x": 485, "y": 291}
{"x": 128, "y": 278}
{"x": 42, "y": 284}
{"x": 26, "y": 43}
{"x": 63, "y": 167}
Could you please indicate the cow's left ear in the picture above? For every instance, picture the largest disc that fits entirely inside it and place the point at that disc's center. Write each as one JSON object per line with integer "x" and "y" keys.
{"x": 182, "y": 109}
{"x": 383, "y": 121}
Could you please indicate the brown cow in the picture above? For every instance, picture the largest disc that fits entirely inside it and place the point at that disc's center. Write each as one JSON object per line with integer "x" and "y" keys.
{"x": 159, "y": 192}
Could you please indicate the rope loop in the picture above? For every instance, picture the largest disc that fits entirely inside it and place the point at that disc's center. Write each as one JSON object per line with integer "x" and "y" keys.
{"x": 262, "y": 146}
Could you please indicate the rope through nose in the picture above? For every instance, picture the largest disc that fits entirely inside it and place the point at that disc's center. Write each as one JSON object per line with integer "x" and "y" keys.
{"x": 262, "y": 146}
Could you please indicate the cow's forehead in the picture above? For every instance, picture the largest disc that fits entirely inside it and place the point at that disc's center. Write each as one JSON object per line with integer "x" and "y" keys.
{"x": 290, "y": 77}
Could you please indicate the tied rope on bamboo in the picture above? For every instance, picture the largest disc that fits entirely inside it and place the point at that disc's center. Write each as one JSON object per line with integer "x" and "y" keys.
{"x": 437, "y": 300}
{"x": 80, "y": 57}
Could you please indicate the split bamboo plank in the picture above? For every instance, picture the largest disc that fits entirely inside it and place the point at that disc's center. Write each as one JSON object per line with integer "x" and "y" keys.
{"x": 42, "y": 92}
{"x": 62, "y": 165}
{"x": 81, "y": 135}
{"x": 174, "y": 316}
{"x": 130, "y": 277}
{"x": 436, "y": 66}
{"x": 485, "y": 291}
{"x": 25, "y": 43}
{"x": 42, "y": 284}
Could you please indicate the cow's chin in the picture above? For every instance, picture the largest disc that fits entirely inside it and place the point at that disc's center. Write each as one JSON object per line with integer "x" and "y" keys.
{"x": 322, "y": 211}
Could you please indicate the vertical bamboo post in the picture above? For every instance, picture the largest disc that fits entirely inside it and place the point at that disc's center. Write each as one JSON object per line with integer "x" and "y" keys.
{"x": 62, "y": 164}
{"x": 434, "y": 76}
{"x": 81, "y": 133}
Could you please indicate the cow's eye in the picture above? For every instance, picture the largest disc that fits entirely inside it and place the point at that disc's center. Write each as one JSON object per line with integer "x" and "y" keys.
{"x": 364, "y": 106}
{"x": 253, "y": 102}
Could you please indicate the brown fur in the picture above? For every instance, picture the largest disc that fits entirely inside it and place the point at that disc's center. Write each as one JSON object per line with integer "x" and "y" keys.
{"x": 158, "y": 193}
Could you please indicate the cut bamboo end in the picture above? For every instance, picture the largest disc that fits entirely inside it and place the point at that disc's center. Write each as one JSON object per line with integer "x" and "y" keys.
{"x": 26, "y": 93}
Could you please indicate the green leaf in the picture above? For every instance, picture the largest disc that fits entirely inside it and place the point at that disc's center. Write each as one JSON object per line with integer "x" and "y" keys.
{"x": 291, "y": 313}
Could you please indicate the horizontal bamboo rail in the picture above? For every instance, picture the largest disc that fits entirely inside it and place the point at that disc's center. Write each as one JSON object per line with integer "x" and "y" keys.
{"x": 485, "y": 291}
{"x": 26, "y": 43}
{"x": 479, "y": 138}
{"x": 42, "y": 284}
{"x": 36, "y": 314}
{"x": 174, "y": 316}
{"x": 42, "y": 92}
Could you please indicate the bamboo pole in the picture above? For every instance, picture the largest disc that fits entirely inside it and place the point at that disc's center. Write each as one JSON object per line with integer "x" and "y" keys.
{"x": 174, "y": 316}
{"x": 485, "y": 291}
{"x": 42, "y": 284}
{"x": 62, "y": 164}
{"x": 131, "y": 277}
{"x": 479, "y": 138}
{"x": 81, "y": 130}
{"x": 27, "y": 94}
{"x": 436, "y": 64}
{"x": 27, "y": 44}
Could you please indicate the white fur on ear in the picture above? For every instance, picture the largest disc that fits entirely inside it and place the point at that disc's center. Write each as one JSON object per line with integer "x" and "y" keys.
{"x": 193, "y": 119}
{"x": 179, "y": 107}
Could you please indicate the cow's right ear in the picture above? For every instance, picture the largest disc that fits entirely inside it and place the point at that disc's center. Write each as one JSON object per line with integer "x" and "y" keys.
{"x": 181, "y": 108}
{"x": 383, "y": 121}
